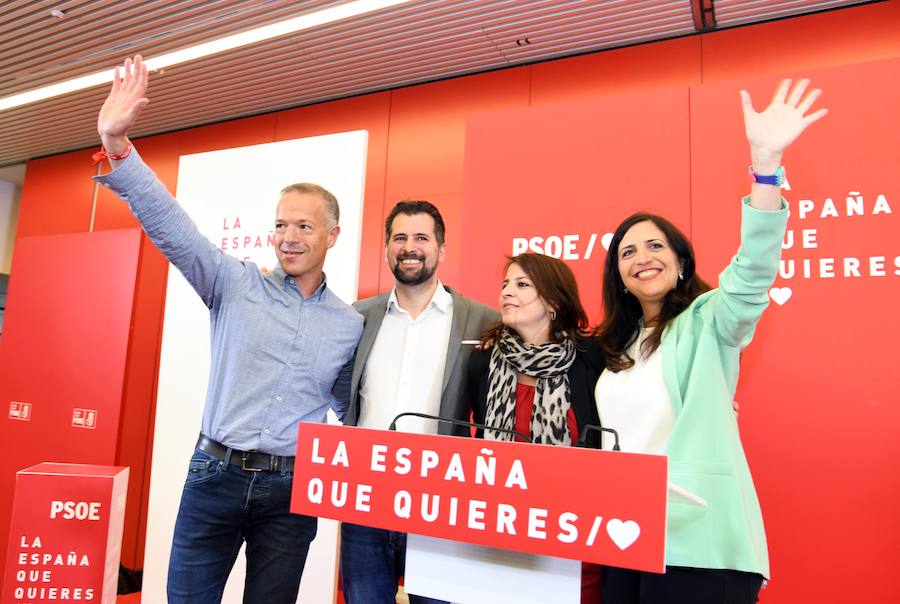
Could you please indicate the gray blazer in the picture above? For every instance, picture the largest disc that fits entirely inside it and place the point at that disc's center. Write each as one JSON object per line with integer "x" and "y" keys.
{"x": 470, "y": 319}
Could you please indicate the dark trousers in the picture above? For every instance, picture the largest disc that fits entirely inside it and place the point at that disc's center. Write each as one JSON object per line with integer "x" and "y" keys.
{"x": 680, "y": 585}
{"x": 222, "y": 507}
{"x": 372, "y": 562}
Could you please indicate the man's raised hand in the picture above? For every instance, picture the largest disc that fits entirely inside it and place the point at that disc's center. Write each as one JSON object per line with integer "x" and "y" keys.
{"x": 125, "y": 102}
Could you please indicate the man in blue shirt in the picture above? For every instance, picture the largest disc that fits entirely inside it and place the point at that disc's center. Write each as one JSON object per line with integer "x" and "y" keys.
{"x": 282, "y": 352}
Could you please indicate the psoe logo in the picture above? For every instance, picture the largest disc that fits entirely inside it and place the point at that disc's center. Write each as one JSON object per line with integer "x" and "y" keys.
{"x": 84, "y": 418}
{"x": 20, "y": 411}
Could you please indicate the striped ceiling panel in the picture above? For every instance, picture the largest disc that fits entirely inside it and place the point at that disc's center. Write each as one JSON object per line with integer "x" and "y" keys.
{"x": 44, "y": 42}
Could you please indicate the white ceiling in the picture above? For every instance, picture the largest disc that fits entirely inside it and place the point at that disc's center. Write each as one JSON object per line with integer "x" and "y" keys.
{"x": 416, "y": 42}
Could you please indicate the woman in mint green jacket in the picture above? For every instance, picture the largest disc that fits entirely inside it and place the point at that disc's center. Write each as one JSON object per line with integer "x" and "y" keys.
{"x": 672, "y": 350}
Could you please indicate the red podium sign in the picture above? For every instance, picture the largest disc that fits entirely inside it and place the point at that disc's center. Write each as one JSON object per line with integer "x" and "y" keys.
{"x": 598, "y": 506}
{"x": 66, "y": 534}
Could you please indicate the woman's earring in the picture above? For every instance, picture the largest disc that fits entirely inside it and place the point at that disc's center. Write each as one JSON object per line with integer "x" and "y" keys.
{"x": 680, "y": 276}
{"x": 553, "y": 315}
{"x": 625, "y": 289}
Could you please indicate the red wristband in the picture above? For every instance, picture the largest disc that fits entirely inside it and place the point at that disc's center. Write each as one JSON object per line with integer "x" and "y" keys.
{"x": 102, "y": 154}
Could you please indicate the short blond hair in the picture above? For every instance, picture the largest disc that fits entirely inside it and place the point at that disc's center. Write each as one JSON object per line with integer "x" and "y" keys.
{"x": 332, "y": 209}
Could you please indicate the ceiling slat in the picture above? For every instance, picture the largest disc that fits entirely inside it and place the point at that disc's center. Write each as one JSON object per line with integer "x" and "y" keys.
{"x": 420, "y": 41}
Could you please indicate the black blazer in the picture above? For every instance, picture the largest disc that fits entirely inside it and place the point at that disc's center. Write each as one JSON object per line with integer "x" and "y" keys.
{"x": 583, "y": 376}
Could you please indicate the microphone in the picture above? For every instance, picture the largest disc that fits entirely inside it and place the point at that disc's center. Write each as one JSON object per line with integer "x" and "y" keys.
{"x": 582, "y": 442}
{"x": 455, "y": 422}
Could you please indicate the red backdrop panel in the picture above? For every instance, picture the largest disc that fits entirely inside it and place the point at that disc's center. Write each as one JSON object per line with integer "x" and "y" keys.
{"x": 819, "y": 383}
{"x": 642, "y": 67}
{"x": 567, "y": 174}
{"x": 139, "y": 397}
{"x": 428, "y": 140}
{"x": 826, "y": 39}
{"x": 428, "y": 128}
{"x": 64, "y": 346}
{"x": 56, "y": 196}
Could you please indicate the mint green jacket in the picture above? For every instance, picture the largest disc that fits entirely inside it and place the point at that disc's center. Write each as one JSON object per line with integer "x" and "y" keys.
{"x": 701, "y": 356}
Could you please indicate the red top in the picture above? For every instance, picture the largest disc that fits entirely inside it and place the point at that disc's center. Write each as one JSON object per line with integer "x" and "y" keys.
{"x": 525, "y": 406}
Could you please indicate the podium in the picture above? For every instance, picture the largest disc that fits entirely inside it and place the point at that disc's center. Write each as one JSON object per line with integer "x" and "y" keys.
{"x": 579, "y": 504}
{"x": 66, "y": 534}
{"x": 465, "y": 573}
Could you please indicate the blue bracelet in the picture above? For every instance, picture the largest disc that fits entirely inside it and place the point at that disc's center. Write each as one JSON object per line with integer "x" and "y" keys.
{"x": 776, "y": 179}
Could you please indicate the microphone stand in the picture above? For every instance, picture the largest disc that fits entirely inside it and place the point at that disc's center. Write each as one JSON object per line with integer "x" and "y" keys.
{"x": 456, "y": 422}
{"x": 582, "y": 442}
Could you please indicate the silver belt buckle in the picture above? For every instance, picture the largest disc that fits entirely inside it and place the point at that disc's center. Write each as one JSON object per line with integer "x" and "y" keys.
{"x": 244, "y": 464}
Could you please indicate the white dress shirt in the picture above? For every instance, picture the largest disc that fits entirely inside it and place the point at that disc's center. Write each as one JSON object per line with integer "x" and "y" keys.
{"x": 405, "y": 368}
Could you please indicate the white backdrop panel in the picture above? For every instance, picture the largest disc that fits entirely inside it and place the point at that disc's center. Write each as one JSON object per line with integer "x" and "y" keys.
{"x": 231, "y": 194}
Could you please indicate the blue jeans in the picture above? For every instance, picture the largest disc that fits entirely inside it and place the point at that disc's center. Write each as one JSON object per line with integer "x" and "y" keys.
{"x": 221, "y": 507}
{"x": 372, "y": 562}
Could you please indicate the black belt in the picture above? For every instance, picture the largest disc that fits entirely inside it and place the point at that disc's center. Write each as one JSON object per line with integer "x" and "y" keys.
{"x": 252, "y": 461}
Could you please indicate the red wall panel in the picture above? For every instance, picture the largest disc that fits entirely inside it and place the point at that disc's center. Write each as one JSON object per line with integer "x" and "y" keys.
{"x": 570, "y": 171}
{"x": 65, "y": 344}
{"x": 428, "y": 128}
{"x": 56, "y": 195}
{"x": 668, "y": 63}
{"x": 818, "y": 383}
{"x": 226, "y": 135}
{"x": 139, "y": 397}
{"x": 851, "y": 35}
{"x": 427, "y": 144}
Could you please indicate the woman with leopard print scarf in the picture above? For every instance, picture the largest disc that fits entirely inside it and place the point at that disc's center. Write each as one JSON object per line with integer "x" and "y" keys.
{"x": 537, "y": 374}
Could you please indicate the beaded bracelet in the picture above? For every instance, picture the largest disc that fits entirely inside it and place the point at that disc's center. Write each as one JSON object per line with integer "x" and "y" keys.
{"x": 102, "y": 154}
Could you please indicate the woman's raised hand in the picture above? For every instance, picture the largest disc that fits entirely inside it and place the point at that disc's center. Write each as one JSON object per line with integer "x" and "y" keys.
{"x": 772, "y": 130}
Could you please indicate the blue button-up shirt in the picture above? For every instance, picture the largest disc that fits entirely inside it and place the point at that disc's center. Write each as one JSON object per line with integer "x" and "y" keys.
{"x": 277, "y": 357}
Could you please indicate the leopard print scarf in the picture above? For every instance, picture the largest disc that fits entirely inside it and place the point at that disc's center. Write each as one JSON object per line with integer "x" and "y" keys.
{"x": 549, "y": 364}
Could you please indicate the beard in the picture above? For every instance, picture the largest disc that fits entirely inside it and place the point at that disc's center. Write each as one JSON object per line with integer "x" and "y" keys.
{"x": 423, "y": 274}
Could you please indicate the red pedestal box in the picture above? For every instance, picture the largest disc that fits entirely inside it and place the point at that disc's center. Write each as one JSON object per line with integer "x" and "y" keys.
{"x": 65, "y": 537}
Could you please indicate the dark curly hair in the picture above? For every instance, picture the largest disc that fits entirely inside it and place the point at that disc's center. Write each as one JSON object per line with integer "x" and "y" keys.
{"x": 622, "y": 312}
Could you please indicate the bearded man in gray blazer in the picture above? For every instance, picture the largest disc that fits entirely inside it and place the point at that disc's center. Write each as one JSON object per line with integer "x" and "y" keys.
{"x": 412, "y": 356}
